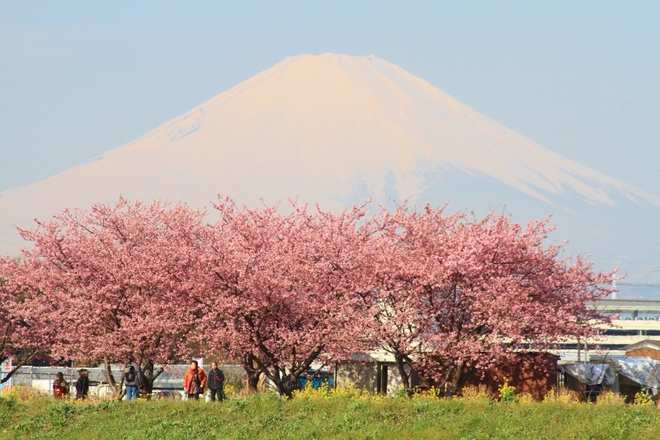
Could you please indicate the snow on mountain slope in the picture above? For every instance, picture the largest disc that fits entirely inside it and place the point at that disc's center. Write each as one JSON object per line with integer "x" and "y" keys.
{"x": 325, "y": 129}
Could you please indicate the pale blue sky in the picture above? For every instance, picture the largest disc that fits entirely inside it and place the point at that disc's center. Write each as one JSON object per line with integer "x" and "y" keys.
{"x": 78, "y": 78}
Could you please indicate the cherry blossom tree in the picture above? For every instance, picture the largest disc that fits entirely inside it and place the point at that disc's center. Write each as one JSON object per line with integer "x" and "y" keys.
{"x": 387, "y": 303}
{"x": 446, "y": 295}
{"x": 284, "y": 300}
{"x": 25, "y": 335}
{"x": 119, "y": 279}
{"x": 461, "y": 296}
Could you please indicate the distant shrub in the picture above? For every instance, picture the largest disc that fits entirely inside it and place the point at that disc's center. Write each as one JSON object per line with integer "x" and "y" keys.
{"x": 610, "y": 398}
{"x": 477, "y": 393}
{"x": 562, "y": 395}
{"x": 642, "y": 398}
{"x": 230, "y": 391}
{"x": 507, "y": 392}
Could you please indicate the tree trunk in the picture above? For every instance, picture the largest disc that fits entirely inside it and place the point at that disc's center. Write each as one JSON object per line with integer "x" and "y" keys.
{"x": 110, "y": 378}
{"x": 405, "y": 377}
{"x": 149, "y": 377}
{"x": 290, "y": 384}
{"x": 451, "y": 383}
{"x": 286, "y": 384}
{"x": 23, "y": 361}
{"x": 456, "y": 378}
{"x": 253, "y": 380}
{"x": 253, "y": 373}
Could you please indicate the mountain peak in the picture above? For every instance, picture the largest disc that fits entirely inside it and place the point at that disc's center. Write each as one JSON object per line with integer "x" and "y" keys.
{"x": 336, "y": 117}
{"x": 332, "y": 129}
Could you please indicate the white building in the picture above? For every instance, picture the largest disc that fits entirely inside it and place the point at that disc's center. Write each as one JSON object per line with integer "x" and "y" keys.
{"x": 635, "y": 320}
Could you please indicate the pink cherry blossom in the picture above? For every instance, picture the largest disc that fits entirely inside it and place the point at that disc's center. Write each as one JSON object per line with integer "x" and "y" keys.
{"x": 114, "y": 281}
{"x": 453, "y": 296}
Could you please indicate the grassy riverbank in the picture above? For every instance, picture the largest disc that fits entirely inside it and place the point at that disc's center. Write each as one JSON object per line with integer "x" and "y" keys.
{"x": 314, "y": 416}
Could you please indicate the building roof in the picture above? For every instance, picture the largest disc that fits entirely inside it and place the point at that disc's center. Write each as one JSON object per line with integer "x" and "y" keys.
{"x": 626, "y": 305}
{"x": 646, "y": 343}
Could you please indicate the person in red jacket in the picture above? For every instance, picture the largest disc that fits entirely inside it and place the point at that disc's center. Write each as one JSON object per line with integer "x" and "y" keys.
{"x": 60, "y": 387}
{"x": 194, "y": 381}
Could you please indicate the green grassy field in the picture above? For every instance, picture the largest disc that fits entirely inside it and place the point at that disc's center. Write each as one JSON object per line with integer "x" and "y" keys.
{"x": 343, "y": 416}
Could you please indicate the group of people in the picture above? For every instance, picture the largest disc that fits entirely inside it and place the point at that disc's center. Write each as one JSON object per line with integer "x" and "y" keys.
{"x": 61, "y": 386}
{"x": 195, "y": 381}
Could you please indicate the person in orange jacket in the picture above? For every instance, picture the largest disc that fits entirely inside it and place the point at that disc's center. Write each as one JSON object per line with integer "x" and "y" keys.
{"x": 194, "y": 381}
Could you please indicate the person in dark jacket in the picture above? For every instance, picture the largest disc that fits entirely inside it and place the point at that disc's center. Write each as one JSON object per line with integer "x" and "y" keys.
{"x": 216, "y": 382}
{"x": 132, "y": 378}
{"x": 82, "y": 384}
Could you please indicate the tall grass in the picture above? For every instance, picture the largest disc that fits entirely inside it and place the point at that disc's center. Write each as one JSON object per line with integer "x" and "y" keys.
{"x": 321, "y": 414}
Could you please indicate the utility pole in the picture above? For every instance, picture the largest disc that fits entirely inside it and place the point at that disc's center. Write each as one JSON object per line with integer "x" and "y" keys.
{"x": 578, "y": 347}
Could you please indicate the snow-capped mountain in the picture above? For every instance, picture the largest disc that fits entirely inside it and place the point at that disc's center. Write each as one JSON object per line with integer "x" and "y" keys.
{"x": 337, "y": 129}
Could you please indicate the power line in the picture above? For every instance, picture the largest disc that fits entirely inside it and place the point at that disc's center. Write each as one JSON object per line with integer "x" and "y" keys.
{"x": 5, "y": 240}
{"x": 5, "y": 251}
{"x": 15, "y": 220}
{"x": 646, "y": 269}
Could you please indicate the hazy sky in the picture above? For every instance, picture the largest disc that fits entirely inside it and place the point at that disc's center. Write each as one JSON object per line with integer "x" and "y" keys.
{"x": 80, "y": 78}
